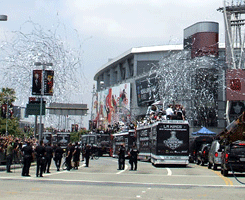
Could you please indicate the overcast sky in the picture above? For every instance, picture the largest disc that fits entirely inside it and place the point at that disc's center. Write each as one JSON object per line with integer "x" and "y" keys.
{"x": 108, "y": 28}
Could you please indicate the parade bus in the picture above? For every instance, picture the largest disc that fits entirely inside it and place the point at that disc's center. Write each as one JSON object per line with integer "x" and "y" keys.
{"x": 100, "y": 141}
{"x": 47, "y": 138}
{"x": 144, "y": 143}
{"x": 63, "y": 138}
{"x": 170, "y": 142}
{"x": 126, "y": 138}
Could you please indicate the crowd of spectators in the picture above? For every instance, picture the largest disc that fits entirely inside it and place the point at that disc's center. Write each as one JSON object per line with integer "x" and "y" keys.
{"x": 17, "y": 143}
{"x": 176, "y": 112}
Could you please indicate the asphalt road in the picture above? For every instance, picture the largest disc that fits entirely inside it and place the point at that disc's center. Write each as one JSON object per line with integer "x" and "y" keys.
{"x": 102, "y": 180}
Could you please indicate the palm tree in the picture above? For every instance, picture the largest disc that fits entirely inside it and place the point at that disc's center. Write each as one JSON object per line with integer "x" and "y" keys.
{"x": 7, "y": 96}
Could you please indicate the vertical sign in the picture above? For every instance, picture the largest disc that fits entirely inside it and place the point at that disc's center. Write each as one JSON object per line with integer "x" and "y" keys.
{"x": 36, "y": 82}
{"x": 235, "y": 85}
{"x": 48, "y": 82}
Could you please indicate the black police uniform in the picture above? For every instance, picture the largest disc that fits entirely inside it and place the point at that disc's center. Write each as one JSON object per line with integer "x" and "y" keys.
{"x": 121, "y": 158}
{"x": 133, "y": 158}
{"x": 70, "y": 150}
{"x": 87, "y": 155}
{"x": 40, "y": 156}
{"x": 58, "y": 156}
{"x": 27, "y": 158}
{"x": 49, "y": 156}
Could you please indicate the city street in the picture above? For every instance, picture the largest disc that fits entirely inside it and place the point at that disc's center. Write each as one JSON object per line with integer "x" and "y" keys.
{"x": 102, "y": 180}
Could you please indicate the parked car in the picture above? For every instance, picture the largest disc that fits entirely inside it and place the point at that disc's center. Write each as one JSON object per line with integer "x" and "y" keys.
{"x": 202, "y": 155}
{"x": 196, "y": 145}
{"x": 214, "y": 155}
{"x": 233, "y": 158}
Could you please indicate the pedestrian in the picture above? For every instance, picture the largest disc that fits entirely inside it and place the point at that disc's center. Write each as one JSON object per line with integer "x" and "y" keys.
{"x": 49, "y": 156}
{"x": 87, "y": 155}
{"x": 41, "y": 160}
{"x": 27, "y": 153}
{"x": 121, "y": 158}
{"x": 9, "y": 156}
{"x": 76, "y": 155}
{"x": 58, "y": 156}
{"x": 133, "y": 157}
{"x": 70, "y": 149}
{"x": 83, "y": 151}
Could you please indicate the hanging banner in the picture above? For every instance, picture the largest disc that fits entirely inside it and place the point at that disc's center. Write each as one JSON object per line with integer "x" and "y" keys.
{"x": 147, "y": 89}
{"x": 37, "y": 82}
{"x": 48, "y": 82}
{"x": 113, "y": 105}
{"x": 235, "y": 85}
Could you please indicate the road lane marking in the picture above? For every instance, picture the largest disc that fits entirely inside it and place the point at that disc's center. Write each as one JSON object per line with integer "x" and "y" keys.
{"x": 121, "y": 183}
{"x": 126, "y": 167}
{"x": 169, "y": 172}
{"x": 225, "y": 179}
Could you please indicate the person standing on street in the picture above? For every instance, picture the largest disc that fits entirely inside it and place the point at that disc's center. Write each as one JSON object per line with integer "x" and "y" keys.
{"x": 133, "y": 157}
{"x": 70, "y": 150}
{"x": 9, "y": 156}
{"x": 49, "y": 156}
{"x": 27, "y": 153}
{"x": 40, "y": 156}
{"x": 76, "y": 155}
{"x": 121, "y": 158}
{"x": 87, "y": 154}
{"x": 58, "y": 156}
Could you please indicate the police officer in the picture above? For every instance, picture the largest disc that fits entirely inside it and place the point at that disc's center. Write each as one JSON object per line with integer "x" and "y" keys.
{"x": 70, "y": 149}
{"x": 27, "y": 153}
{"x": 76, "y": 155}
{"x": 40, "y": 156}
{"x": 49, "y": 156}
{"x": 121, "y": 158}
{"x": 58, "y": 156}
{"x": 133, "y": 157}
{"x": 87, "y": 154}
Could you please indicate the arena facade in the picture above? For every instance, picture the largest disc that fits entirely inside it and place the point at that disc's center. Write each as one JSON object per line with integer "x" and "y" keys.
{"x": 126, "y": 85}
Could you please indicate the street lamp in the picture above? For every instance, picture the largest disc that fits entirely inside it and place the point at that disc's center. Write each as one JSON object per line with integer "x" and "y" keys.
{"x": 3, "y": 17}
{"x": 7, "y": 98}
{"x": 42, "y": 94}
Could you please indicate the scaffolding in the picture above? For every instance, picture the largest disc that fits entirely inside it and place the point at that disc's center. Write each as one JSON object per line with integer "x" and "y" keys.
{"x": 234, "y": 33}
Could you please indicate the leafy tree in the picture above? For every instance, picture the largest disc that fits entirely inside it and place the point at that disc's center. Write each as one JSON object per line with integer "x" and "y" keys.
{"x": 76, "y": 136}
{"x": 7, "y": 97}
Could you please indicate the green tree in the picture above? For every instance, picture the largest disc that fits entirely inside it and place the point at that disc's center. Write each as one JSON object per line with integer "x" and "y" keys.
{"x": 7, "y": 97}
{"x": 76, "y": 136}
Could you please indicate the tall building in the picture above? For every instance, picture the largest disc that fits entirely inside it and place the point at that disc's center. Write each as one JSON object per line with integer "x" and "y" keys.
{"x": 129, "y": 83}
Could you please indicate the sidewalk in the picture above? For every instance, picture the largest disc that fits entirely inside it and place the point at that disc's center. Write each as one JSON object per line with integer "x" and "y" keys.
{"x": 14, "y": 166}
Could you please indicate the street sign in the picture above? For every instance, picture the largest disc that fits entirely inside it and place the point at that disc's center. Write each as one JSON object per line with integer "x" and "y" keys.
{"x": 34, "y": 109}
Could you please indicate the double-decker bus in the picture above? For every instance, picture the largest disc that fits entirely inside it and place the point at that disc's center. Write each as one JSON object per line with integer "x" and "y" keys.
{"x": 126, "y": 138}
{"x": 100, "y": 141}
{"x": 144, "y": 142}
{"x": 47, "y": 138}
{"x": 170, "y": 142}
{"x": 63, "y": 138}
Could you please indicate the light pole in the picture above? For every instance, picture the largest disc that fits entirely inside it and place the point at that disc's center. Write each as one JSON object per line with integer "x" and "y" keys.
{"x": 42, "y": 94}
{"x": 7, "y": 98}
{"x": 5, "y": 18}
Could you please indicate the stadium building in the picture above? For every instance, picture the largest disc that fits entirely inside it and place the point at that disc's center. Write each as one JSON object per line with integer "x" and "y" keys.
{"x": 127, "y": 84}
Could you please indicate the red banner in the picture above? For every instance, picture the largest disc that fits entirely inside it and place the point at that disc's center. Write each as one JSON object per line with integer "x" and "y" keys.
{"x": 235, "y": 85}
